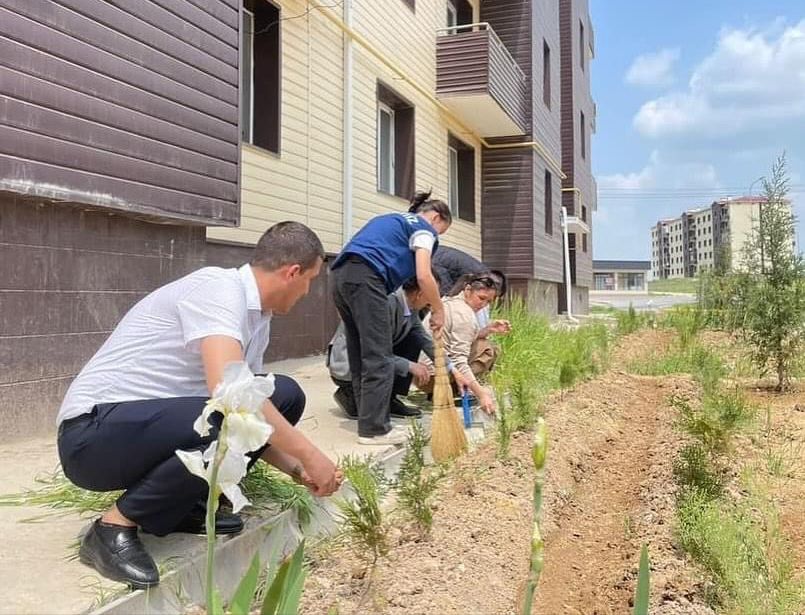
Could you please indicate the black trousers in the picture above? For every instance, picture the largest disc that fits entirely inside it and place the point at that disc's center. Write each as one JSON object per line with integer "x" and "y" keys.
{"x": 132, "y": 446}
{"x": 361, "y": 300}
{"x": 409, "y": 348}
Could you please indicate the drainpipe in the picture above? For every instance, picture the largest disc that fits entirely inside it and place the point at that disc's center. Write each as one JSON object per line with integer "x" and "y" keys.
{"x": 567, "y": 266}
{"x": 347, "y": 179}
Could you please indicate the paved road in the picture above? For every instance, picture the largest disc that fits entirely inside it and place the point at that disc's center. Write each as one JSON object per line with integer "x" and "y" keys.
{"x": 640, "y": 302}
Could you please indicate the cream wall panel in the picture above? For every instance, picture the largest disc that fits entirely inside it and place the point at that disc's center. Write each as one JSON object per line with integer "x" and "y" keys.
{"x": 305, "y": 181}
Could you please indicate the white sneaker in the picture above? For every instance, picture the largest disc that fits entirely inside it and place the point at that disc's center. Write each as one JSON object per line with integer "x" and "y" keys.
{"x": 397, "y": 435}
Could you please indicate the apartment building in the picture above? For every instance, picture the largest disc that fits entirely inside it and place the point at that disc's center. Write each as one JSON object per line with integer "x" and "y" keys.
{"x": 141, "y": 141}
{"x": 700, "y": 238}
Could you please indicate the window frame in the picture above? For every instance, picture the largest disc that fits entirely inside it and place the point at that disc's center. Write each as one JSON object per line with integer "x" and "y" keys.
{"x": 383, "y": 108}
{"x": 546, "y": 74}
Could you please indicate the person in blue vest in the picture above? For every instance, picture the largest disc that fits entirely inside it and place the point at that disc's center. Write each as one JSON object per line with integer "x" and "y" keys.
{"x": 387, "y": 251}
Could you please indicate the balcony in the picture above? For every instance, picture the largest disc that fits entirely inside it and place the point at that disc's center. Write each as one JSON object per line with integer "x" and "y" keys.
{"x": 479, "y": 80}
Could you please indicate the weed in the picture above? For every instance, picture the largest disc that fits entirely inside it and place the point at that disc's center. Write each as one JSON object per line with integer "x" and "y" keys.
{"x": 687, "y": 321}
{"x": 415, "y": 484}
{"x": 266, "y": 487}
{"x": 628, "y": 321}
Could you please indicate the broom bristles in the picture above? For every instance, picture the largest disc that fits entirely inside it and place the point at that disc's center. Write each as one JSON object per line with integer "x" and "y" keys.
{"x": 447, "y": 439}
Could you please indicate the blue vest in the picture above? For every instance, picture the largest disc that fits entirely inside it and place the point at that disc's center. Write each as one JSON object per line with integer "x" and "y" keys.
{"x": 384, "y": 243}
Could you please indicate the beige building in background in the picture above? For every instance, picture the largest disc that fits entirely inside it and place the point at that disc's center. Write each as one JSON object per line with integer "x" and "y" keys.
{"x": 699, "y": 238}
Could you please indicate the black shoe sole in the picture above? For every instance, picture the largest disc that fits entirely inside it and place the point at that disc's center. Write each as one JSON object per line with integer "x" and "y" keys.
{"x": 88, "y": 560}
{"x": 202, "y": 531}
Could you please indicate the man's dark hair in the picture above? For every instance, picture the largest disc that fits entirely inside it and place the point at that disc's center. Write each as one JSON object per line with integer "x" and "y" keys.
{"x": 412, "y": 283}
{"x": 287, "y": 243}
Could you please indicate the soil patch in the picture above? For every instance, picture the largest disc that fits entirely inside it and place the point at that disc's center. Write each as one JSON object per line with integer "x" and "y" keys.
{"x": 608, "y": 490}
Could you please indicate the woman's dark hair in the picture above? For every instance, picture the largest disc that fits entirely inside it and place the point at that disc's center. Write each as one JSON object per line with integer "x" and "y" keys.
{"x": 476, "y": 281}
{"x": 500, "y": 277}
{"x": 422, "y": 203}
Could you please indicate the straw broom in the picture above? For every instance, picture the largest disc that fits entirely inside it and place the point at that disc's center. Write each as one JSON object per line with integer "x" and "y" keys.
{"x": 448, "y": 439}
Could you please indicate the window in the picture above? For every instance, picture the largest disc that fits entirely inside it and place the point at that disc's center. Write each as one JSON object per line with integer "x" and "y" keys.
{"x": 260, "y": 75}
{"x": 584, "y": 242}
{"x": 461, "y": 179}
{"x": 584, "y": 213}
{"x": 548, "y": 203}
{"x": 581, "y": 44}
{"x": 583, "y": 135}
{"x": 395, "y": 143}
{"x": 546, "y": 74}
{"x": 452, "y": 14}
{"x": 385, "y": 148}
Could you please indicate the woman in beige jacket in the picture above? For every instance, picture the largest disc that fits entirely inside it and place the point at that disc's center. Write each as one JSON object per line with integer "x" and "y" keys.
{"x": 465, "y": 340}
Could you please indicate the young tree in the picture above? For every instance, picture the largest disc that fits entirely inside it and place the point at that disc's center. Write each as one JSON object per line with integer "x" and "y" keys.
{"x": 770, "y": 297}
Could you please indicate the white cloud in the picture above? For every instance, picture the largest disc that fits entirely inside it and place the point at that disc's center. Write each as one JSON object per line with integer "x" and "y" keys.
{"x": 752, "y": 84}
{"x": 661, "y": 174}
{"x": 653, "y": 69}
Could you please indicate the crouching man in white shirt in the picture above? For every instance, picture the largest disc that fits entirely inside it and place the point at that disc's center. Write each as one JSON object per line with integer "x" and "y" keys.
{"x": 133, "y": 405}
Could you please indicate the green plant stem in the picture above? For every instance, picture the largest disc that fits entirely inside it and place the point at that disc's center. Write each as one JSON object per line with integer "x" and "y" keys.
{"x": 212, "y": 508}
{"x": 538, "y": 454}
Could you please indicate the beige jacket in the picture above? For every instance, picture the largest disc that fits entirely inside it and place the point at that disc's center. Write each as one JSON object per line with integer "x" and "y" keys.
{"x": 461, "y": 328}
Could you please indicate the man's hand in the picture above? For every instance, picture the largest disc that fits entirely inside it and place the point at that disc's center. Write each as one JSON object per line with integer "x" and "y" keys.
{"x": 320, "y": 474}
{"x": 420, "y": 372}
{"x": 461, "y": 382}
{"x": 436, "y": 322}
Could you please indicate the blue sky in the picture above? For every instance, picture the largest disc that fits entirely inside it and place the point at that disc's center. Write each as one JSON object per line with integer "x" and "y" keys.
{"x": 695, "y": 101}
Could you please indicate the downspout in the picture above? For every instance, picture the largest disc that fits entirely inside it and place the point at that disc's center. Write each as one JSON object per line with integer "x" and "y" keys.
{"x": 347, "y": 164}
{"x": 567, "y": 266}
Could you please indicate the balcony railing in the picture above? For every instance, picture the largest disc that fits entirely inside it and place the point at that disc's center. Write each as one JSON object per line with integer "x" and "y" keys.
{"x": 480, "y": 81}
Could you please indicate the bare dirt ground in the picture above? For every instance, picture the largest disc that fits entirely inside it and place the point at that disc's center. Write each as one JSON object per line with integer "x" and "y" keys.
{"x": 609, "y": 489}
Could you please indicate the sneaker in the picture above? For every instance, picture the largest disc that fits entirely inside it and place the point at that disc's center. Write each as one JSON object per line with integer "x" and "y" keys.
{"x": 394, "y": 437}
{"x": 402, "y": 411}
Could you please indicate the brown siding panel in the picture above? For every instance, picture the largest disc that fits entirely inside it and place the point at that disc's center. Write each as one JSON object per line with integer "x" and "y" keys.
{"x": 511, "y": 21}
{"x": 67, "y": 276}
{"x": 474, "y": 63}
{"x": 130, "y": 106}
{"x": 507, "y": 215}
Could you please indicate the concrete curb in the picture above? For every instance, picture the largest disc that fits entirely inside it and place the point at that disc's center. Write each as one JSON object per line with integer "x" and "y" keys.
{"x": 270, "y": 537}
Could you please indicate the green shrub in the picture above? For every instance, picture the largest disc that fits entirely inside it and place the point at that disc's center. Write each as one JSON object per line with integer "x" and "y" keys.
{"x": 363, "y": 519}
{"x": 742, "y": 549}
{"x": 695, "y": 469}
{"x": 416, "y": 484}
{"x": 716, "y": 420}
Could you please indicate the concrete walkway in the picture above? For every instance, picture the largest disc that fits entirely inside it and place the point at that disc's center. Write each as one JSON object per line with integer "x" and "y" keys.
{"x": 34, "y": 560}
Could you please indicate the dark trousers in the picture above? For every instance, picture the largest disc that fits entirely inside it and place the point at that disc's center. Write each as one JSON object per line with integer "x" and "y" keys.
{"x": 361, "y": 300}
{"x": 132, "y": 446}
{"x": 409, "y": 348}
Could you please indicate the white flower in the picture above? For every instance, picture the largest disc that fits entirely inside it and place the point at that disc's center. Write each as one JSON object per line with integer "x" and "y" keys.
{"x": 240, "y": 397}
{"x": 232, "y": 469}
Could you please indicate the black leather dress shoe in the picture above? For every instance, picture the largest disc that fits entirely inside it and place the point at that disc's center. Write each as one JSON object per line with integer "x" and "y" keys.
{"x": 117, "y": 553}
{"x": 400, "y": 410}
{"x": 195, "y": 523}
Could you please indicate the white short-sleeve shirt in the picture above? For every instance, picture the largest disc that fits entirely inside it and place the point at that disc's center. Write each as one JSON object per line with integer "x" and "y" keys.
{"x": 154, "y": 352}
